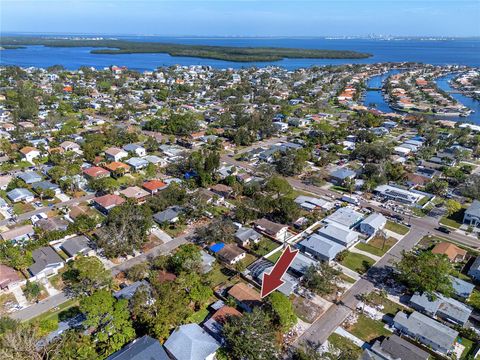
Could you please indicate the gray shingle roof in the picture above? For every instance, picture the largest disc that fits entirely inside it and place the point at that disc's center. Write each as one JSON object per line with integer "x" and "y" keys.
{"x": 75, "y": 245}
{"x": 144, "y": 348}
{"x": 43, "y": 257}
{"x": 474, "y": 209}
{"x": 191, "y": 342}
{"x": 168, "y": 214}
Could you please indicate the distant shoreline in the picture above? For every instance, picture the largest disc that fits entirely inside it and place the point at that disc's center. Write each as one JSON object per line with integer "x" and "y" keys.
{"x": 227, "y": 53}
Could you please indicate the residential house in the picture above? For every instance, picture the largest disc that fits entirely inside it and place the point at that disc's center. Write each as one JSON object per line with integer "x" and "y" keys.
{"x": 231, "y": 254}
{"x": 169, "y": 215}
{"x": 461, "y": 288}
{"x": 154, "y": 186}
{"x": 29, "y": 177}
{"x": 310, "y": 203}
{"x": 445, "y": 308}
{"x": 191, "y": 342}
{"x": 397, "y": 194}
{"x": 144, "y": 348}
{"x": 96, "y": 172}
{"x": 136, "y": 193}
{"x": 20, "y": 194}
{"x": 214, "y": 325}
{"x": 18, "y": 234}
{"x": 107, "y": 202}
{"x": 207, "y": 262}
{"x": 426, "y": 330}
{"x": 394, "y": 348}
{"x": 155, "y": 160}
{"x": 137, "y": 163}
{"x": 277, "y": 231}
{"x": 340, "y": 175}
{"x": 452, "y": 251}
{"x": 77, "y": 245}
{"x": 117, "y": 167}
{"x": 115, "y": 154}
{"x": 42, "y": 186}
{"x": 70, "y": 146}
{"x": 245, "y": 236}
{"x": 52, "y": 224}
{"x": 472, "y": 214}
{"x": 339, "y": 233}
{"x": 222, "y": 190}
{"x": 135, "y": 149}
{"x": 320, "y": 247}
{"x": 8, "y": 277}
{"x": 345, "y": 216}
{"x": 30, "y": 153}
{"x": 300, "y": 264}
{"x": 474, "y": 270}
{"x": 46, "y": 262}
{"x": 373, "y": 224}
{"x": 245, "y": 296}
{"x": 129, "y": 291}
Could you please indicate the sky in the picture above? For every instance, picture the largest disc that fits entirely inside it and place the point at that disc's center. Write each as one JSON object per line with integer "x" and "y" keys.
{"x": 243, "y": 17}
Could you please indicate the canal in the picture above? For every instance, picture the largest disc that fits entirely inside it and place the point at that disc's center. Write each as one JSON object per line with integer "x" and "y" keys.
{"x": 374, "y": 98}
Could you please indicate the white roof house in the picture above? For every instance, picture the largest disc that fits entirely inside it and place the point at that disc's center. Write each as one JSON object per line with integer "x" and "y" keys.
{"x": 373, "y": 223}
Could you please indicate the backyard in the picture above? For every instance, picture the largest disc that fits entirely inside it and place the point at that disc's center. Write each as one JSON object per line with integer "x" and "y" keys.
{"x": 264, "y": 246}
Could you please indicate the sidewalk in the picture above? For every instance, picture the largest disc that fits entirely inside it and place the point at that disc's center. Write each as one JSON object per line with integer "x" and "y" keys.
{"x": 347, "y": 271}
{"x": 359, "y": 342}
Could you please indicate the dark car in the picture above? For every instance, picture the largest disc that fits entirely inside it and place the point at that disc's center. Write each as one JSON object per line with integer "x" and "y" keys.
{"x": 444, "y": 229}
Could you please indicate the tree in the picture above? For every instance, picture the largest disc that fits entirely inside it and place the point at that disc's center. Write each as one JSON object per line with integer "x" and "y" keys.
{"x": 279, "y": 186}
{"x": 292, "y": 163}
{"x": 250, "y": 336}
{"x": 109, "y": 320}
{"x": 21, "y": 343}
{"x": 321, "y": 278}
{"x": 138, "y": 272}
{"x": 85, "y": 275}
{"x": 32, "y": 290}
{"x": 221, "y": 230}
{"x": 74, "y": 345}
{"x": 125, "y": 229}
{"x": 282, "y": 311}
{"x": 425, "y": 272}
{"x": 181, "y": 124}
{"x": 437, "y": 187}
{"x": 452, "y": 206}
{"x": 186, "y": 258}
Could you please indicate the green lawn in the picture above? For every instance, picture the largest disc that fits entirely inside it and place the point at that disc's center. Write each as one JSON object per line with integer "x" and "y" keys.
{"x": 274, "y": 257}
{"x": 454, "y": 221}
{"x": 389, "y": 307}
{"x": 376, "y": 246}
{"x": 21, "y": 208}
{"x": 198, "y": 317}
{"x": 249, "y": 259}
{"x": 423, "y": 200}
{"x": 397, "y": 228}
{"x": 218, "y": 275}
{"x": 368, "y": 329}
{"x": 357, "y": 262}
{"x": 341, "y": 343}
{"x": 347, "y": 278}
{"x": 468, "y": 347}
{"x": 264, "y": 246}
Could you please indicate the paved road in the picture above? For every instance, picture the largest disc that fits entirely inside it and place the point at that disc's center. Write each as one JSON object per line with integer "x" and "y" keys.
{"x": 28, "y": 215}
{"x": 36, "y": 309}
{"x": 321, "y": 329}
{"x": 39, "y": 308}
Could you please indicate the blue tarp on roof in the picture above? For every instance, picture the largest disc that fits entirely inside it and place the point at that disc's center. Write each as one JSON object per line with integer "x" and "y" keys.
{"x": 216, "y": 247}
{"x": 190, "y": 175}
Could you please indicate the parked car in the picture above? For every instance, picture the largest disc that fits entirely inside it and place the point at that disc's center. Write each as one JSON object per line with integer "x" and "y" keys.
{"x": 444, "y": 229}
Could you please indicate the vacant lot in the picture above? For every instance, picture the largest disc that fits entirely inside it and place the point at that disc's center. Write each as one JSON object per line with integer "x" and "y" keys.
{"x": 377, "y": 246}
{"x": 368, "y": 329}
{"x": 357, "y": 262}
{"x": 397, "y": 228}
